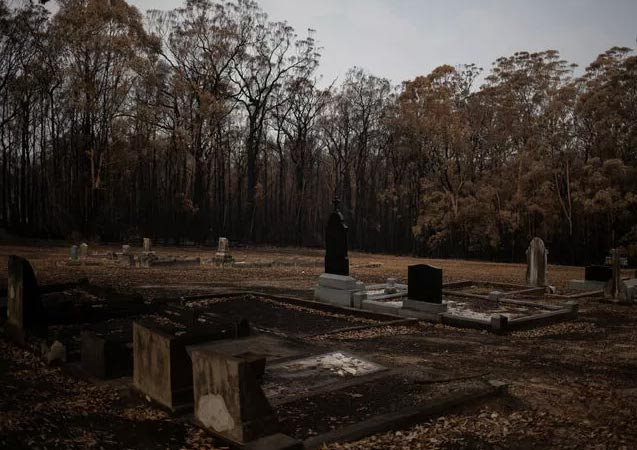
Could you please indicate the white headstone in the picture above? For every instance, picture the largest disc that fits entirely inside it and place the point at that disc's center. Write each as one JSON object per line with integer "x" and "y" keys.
{"x": 223, "y": 245}
{"x": 83, "y": 250}
{"x": 537, "y": 264}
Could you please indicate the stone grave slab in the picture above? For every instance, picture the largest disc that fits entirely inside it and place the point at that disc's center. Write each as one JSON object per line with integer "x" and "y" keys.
{"x": 300, "y": 377}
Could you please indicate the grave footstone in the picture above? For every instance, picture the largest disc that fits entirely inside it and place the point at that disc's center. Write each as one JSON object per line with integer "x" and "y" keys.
{"x": 25, "y": 312}
{"x": 537, "y": 264}
{"x": 336, "y": 260}
{"x": 424, "y": 290}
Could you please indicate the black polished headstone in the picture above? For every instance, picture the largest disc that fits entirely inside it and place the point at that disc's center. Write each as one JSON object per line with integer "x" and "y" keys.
{"x": 336, "y": 260}
{"x": 598, "y": 273}
{"x": 425, "y": 283}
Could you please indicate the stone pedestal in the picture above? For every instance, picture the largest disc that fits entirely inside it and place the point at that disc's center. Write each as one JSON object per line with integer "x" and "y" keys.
{"x": 228, "y": 397}
{"x": 337, "y": 289}
{"x": 426, "y": 307}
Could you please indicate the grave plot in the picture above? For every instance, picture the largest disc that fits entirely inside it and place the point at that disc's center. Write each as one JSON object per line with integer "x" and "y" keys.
{"x": 280, "y": 317}
{"x": 251, "y": 389}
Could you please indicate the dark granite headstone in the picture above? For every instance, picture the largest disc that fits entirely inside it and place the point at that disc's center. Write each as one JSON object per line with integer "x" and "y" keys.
{"x": 336, "y": 260}
{"x": 598, "y": 273}
{"x": 425, "y": 283}
{"x": 25, "y": 312}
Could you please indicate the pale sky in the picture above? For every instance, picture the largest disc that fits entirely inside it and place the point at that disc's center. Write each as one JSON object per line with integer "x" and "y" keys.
{"x": 401, "y": 39}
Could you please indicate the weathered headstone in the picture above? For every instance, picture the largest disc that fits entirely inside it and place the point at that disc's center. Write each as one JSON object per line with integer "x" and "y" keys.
{"x": 73, "y": 253}
{"x": 336, "y": 260}
{"x": 125, "y": 249}
{"x": 162, "y": 368}
{"x": 228, "y": 396}
{"x": 537, "y": 264}
{"x": 148, "y": 245}
{"x": 223, "y": 257}
{"x": 83, "y": 250}
{"x": 25, "y": 312}
{"x": 613, "y": 288}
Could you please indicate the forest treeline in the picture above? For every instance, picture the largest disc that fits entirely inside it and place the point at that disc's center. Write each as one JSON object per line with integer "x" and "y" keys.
{"x": 211, "y": 120}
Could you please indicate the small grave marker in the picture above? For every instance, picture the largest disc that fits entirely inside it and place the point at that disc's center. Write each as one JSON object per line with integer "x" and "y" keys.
{"x": 223, "y": 257}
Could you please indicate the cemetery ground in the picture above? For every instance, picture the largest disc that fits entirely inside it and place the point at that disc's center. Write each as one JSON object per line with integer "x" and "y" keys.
{"x": 570, "y": 385}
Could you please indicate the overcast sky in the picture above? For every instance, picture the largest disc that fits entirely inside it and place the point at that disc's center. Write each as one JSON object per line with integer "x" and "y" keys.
{"x": 400, "y": 39}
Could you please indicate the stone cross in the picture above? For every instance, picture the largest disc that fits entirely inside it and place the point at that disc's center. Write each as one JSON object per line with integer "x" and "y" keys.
{"x": 83, "y": 250}
{"x": 336, "y": 260}
{"x": 425, "y": 283}
{"x": 537, "y": 264}
{"x": 73, "y": 253}
{"x": 147, "y": 245}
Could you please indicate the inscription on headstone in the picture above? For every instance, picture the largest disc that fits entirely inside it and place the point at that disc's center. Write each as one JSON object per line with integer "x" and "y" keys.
{"x": 336, "y": 260}
{"x": 537, "y": 264}
{"x": 425, "y": 283}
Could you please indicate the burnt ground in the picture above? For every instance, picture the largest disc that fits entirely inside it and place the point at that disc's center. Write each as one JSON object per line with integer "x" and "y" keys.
{"x": 572, "y": 385}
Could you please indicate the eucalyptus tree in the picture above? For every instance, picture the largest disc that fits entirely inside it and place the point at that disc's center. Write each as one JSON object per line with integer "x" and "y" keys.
{"x": 273, "y": 53}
